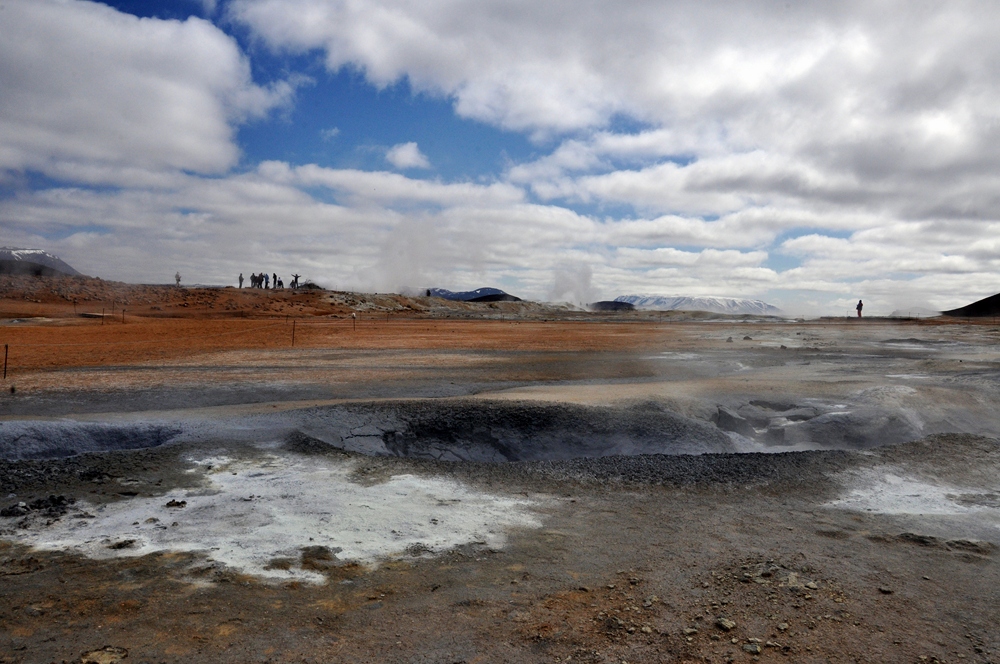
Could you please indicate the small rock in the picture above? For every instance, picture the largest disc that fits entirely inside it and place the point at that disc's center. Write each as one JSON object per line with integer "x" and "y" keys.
{"x": 729, "y": 340}
{"x": 747, "y": 338}
{"x": 176, "y": 503}
{"x": 782, "y": 626}
{"x": 690, "y": 631}
{"x": 885, "y": 591}
{"x": 725, "y": 624}
{"x": 752, "y": 648}
{"x": 105, "y": 655}
{"x": 15, "y": 510}
{"x": 646, "y": 629}
{"x": 812, "y": 585}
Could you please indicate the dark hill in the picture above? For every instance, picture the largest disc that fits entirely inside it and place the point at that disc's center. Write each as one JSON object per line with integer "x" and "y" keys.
{"x": 611, "y": 305}
{"x": 988, "y": 306}
{"x": 478, "y": 295}
{"x": 496, "y": 297}
{"x": 34, "y": 262}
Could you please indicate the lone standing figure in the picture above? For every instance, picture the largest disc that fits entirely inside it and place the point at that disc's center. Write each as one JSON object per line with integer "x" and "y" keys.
{"x": 177, "y": 278}
{"x": 861, "y": 305}
{"x": 241, "y": 280}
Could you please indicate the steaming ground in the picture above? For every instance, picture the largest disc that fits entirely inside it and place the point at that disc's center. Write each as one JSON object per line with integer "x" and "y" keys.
{"x": 832, "y": 489}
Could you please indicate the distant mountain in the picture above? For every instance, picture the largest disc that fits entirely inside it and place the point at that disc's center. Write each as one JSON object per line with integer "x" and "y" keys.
{"x": 478, "y": 295}
{"x": 988, "y": 306}
{"x": 33, "y": 261}
{"x": 718, "y": 305}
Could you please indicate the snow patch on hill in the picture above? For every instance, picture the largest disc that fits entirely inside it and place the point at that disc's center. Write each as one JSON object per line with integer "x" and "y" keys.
{"x": 14, "y": 260}
{"x": 719, "y": 305}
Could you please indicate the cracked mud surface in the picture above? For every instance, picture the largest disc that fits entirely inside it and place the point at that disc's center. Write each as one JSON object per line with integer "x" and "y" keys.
{"x": 859, "y": 522}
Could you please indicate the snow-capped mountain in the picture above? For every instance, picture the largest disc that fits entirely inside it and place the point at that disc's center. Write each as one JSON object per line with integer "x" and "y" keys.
{"x": 33, "y": 261}
{"x": 718, "y": 305}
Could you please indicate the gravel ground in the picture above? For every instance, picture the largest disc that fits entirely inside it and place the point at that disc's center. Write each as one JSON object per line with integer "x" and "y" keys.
{"x": 867, "y": 532}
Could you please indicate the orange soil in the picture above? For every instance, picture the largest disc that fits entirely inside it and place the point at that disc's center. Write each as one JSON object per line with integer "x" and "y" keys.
{"x": 89, "y": 343}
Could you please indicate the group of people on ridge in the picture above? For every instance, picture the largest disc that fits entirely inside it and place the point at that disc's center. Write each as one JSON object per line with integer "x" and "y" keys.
{"x": 264, "y": 280}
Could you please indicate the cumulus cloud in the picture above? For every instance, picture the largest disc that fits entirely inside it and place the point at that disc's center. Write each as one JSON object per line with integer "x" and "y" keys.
{"x": 407, "y": 155}
{"x": 847, "y": 104}
{"x": 775, "y": 148}
{"x": 94, "y": 95}
{"x": 384, "y": 231}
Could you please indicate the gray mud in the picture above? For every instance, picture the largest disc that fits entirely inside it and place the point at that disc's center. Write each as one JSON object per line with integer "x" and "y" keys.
{"x": 494, "y": 431}
{"x": 48, "y": 440}
{"x": 457, "y": 430}
{"x": 501, "y": 431}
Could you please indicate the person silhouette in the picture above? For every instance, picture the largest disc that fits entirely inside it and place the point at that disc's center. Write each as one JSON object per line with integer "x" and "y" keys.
{"x": 295, "y": 281}
{"x": 177, "y": 278}
{"x": 241, "y": 280}
{"x": 861, "y": 305}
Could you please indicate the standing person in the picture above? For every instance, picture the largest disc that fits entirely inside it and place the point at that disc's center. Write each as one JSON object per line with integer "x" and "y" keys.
{"x": 241, "y": 280}
{"x": 177, "y": 278}
{"x": 267, "y": 280}
{"x": 861, "y": 305}
{"x": 274, "y": 279}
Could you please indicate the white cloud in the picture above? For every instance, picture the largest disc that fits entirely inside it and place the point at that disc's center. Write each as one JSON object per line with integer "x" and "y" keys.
{"x": 842, "y": 142}
{"x": 94, "y": 95}
{"x": 407, "y": 155}
{"x": 384, "y": 231}
{"x": 881, "y": 103}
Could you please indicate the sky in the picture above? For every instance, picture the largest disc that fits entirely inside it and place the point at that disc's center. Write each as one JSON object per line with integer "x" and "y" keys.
{"x": 808, "y": 154}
